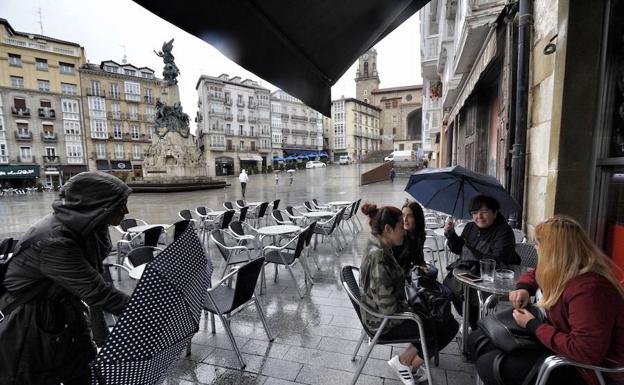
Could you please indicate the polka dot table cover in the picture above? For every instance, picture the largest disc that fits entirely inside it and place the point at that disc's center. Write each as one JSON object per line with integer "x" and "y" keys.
{"x": 162, "y": 316}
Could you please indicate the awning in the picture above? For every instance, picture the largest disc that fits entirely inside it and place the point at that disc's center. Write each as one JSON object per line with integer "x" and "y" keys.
{"x": 19, "y": 172}
{"x": 252, "y": 157}
{"x": 311, "y": 43}
{"x": 51, "y": 170}
{"x": 74, "y": 169}
{"x": 102, "y": 165}
{"x": 121, "y": 165}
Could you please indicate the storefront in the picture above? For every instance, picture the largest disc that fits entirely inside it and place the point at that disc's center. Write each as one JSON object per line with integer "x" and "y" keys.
{"x": 18, "y": 176}
{"x": 250, "y": 162}
{"x": 122, "y": 169}
{"x": 53, "y": 177}
{"x": 67, "y": 171}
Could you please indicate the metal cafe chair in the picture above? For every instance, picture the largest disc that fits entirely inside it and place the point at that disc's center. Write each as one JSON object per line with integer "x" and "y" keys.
{"x": 328, "y": 228}
{"x": 278, "y": 217}
{"x": 240, "y": 203}
{"x": 226, "y": 301}
{"x": 294, "y": 215}
{"x": 553, "y": 362}
{"x": 350, "y": 284}
{"x": 231, "y": 253}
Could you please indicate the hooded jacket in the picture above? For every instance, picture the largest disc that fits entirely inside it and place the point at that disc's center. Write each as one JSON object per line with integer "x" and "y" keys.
{"x": 48, "y": 339}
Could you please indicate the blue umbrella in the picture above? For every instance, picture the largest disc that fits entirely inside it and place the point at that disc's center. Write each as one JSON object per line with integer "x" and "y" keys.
{"x": 277, "y": 159}
{"x": 290, "y": 158}
{"x": 302, "y": 157}
{"x": 451, "y": 189}
{"x": 324, "y": 154}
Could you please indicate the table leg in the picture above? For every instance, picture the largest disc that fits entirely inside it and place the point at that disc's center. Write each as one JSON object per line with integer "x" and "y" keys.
{"x": 465, "y": 319}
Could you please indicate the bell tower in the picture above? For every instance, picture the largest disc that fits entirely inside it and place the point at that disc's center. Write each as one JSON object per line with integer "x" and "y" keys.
{"x": 366, "y": 77}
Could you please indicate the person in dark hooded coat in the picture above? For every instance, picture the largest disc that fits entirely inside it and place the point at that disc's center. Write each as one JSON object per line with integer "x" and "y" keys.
{"x": 48, "y": 339}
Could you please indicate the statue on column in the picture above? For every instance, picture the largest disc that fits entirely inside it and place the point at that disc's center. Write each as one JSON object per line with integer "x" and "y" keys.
{"x": 171, "y": 71}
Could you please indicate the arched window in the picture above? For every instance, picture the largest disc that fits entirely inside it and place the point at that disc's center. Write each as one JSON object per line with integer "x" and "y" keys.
{"x": 365, "y": 68}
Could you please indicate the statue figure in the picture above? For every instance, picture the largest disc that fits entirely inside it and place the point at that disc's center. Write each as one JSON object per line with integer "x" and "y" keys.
{"x": 171, "y": 118}
{"x": 171, "y": 71}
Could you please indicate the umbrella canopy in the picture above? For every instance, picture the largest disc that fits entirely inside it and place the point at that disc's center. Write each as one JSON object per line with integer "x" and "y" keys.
{"x": 290, "y": 158}
{"x": 277, "y": 159}
{"x": 303, "y": 47}
{"x": 324, "y": 155}
{"x": 290, "y": 170}
{"x": 161, "y": 317}
{"x": 451, "y": 189}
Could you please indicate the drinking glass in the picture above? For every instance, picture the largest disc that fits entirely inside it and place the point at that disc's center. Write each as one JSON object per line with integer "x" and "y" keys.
{"x": 487, "y": 269}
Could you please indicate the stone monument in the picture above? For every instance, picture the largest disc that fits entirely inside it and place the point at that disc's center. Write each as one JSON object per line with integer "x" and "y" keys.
{"x": 172, "y": 162}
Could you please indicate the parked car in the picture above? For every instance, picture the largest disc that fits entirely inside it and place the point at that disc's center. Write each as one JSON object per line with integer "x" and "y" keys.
{"x": 344, "y": 159}
{"x": 315, "y": 164}
{"x": 401, "y": 156}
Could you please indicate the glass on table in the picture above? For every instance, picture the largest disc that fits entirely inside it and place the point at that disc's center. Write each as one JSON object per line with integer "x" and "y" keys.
{"x": 505, "y": 276}
{"x": 487, "y": 269}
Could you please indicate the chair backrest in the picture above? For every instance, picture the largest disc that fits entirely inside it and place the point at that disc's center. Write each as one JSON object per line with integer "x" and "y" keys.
{"x": 237, "y": 228}
{"x": 127, "y": 223}
{"x": 339, "y": 217}
{"x": 527, "y": 253}
{"x": 276, "y": 204}
{"x": 315, "y": 201}
{"x": 277, "y": 215}
{"x": 228, "y": 205}
{"x": 350, "y": 284}
{"x": 262, "y": 209}
{"x": 219, "y": 240}
{"x": 151, "y": 236}
{"x": 310, "y": 233}
{"x": 289, "y": 210}
{"x": 227, "y": 218}
{"x": 241, "y": 203}
{"x": 301, "y": 242}
{"x": 351, "y": 210}
{"x": 201, "y": 210}
{"x": 179, "y": 228}
{"x": 553, "y": 362}
{"x": 519, "y": 236}
{"x": 140, "y": 255}
{"x": 246, "y": 279}
{"x": 308, "y": 206}
{"x": 185, "y": 214}
{"x": 357, "y": 206}
{"x": 242, "y": 214}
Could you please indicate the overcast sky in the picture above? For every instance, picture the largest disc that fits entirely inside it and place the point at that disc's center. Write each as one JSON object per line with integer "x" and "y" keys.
{"x": 104, "y": 28}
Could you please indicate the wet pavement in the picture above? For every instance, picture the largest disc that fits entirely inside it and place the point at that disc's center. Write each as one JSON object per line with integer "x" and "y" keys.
{"x": 314, "y": 336}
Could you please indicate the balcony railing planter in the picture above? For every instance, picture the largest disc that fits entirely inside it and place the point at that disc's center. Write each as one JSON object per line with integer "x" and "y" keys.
{"x": 22, "y": 112}
{"x": 435, "y": 91}
{"x": 96, "y": 92}
{"x": 114, "y": 95}
{"x": 51, "y": 160}
{"x": 240, "y": 118}
{"x": 228, "y": 117}
{"x": 240, "y": 103}
{"x": 47, "y": 113}
{"x": 23, "y": 136}
{"x": 149, "y": 99}
{"x": 228, "y": 102}
{"x": 299, "y": 117}
{"x": 49, "y": 137}
{"x": 114, "y": 115}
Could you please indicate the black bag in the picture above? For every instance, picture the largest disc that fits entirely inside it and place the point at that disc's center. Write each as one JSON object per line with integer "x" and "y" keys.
{"x": 505, "y": 334}
{"x": 6, "y": 247}
{"x": 428, "y": 298}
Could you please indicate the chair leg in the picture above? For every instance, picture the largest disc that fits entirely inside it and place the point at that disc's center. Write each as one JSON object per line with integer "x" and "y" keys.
{"x": 228, "y": 331}
{"x": 364, "y": 358}
{"x": 292, "y": 274}
{"x": 357, "y": 348}
{"x": 260, "y": 310}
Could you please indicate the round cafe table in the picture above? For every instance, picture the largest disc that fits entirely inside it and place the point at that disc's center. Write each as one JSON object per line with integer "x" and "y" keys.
{"x": 490, "y": 289}
{"x": 142, "y": 228}
{"x": 276, "y": 230}
{"x": 318, "y": 214}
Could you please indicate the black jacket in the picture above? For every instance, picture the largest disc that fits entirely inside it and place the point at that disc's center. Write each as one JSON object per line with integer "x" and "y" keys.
{"x": 48, "y": 339}
{"x": 496, "y": 242}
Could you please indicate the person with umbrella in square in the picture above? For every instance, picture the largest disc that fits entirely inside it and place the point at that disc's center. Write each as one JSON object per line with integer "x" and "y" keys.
{"x": 56, "y": 268}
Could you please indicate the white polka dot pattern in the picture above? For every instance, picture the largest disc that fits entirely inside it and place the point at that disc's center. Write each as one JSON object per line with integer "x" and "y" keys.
{"x": 161, "y": 317}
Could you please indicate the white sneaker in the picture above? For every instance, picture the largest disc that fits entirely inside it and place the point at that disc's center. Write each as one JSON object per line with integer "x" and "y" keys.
{"x": 420, "y": 374}
{"x": 403, "y": 371}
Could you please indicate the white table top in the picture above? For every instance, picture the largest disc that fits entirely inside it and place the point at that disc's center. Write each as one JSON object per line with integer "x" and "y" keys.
{"x": 137, "y": 271}
{"x": 318, "y": 214}
{"x": 339, "y": 203}
{"x": 278, "y": 229}
{"x": 214, "y": 213}
{"x": 142, "y": 228}
{"x": 254, "y": 203}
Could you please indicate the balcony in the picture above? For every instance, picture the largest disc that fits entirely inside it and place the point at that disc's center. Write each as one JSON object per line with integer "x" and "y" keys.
{"x": 96, "y": 92}
{"x": 228, "y": 116}
{"x": 240, "y": 103}
{"x": 23, "y": 136}
{"x": 113, "y": 115}
{"x": 149, "y": 99}
{"x": 25, "y": 159}
{"x": 4, "y": 159}
{"x": 285, "y": 116}
{"x": 99, "y": 135}
{"x": 429, "y": 56}
{"x": 49, "y": 137}
{"x": 230, "y": 133}
{"x": 214, "y": 95}
{"x": 149, "y": 117}
{"x": 313, "y": 120}
{"x": 252, "y": 119}
{"x": 252, "y": 104}
{"x": 71, "y": 115}
{"x": 228, "y": 102}
{"x": 21, "y": 112}
{"x": 133, "y": 117}
{"x": 132, "y": 97}
{"x": 217, "y": 147}
{"x": 302, "y": 118}
{"x": 51, "y": 160}
{"x": 47, "y": 113}
{"x": 240, "y": 118}
{"x": 114, "y": 95}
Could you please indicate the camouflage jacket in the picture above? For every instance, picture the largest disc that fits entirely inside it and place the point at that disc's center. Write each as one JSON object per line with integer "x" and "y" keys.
{"x": 382, "y": 282}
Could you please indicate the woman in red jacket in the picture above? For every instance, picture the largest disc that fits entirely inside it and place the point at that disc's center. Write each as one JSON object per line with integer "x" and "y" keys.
{"x": 584, "y": 306}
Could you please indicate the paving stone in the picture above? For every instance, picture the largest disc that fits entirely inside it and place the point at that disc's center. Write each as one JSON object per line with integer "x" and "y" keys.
{"x": 323, "y": 376}
{"x": 265, "y": 348}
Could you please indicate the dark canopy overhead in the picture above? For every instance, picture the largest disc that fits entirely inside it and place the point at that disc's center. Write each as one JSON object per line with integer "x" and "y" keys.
{"x": 301, "y": 46}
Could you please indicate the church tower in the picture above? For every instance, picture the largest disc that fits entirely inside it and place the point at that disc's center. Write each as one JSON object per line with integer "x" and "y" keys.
{"x": 366, "y": 77}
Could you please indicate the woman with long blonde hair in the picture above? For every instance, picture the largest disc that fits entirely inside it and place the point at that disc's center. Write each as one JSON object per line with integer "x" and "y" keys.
{"x": 583, "y": 303}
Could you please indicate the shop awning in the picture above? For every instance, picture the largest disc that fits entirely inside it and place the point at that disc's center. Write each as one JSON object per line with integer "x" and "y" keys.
{"x": 310, "y": 43}
{"x": 121, "y": 165}
{"x": 74, "y": 169}
{"x": 51, "y": 170}
{"x": 253, "y": 157}
{"x": 102, "y": 165}
{"x": 19, "y": 172}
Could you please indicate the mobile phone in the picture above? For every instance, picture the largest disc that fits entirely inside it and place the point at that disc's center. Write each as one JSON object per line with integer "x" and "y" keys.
{"x": 471, "y": 277}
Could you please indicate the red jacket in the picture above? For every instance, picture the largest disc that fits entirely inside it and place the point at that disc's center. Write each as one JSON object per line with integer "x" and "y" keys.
{"x": 585, "y": 325}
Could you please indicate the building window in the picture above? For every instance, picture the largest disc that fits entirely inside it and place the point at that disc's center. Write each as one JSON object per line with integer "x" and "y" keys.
{"x": 134, "y": 132}
{"x": 74, "y": 153}
{"x": 50, "y": 152}
{"x": 114, "y": 90}
{"x": 66, "y": 68}
{"x": 112, "y": 69}
{"x": 68, "y": 89}
{"x": 408, "y": 97}
{"x": 136, "y": 151}
{"x": 71, "y": 127}
{"x": 17, "y": 82}
{"x": 25, "y": 154}
{"x": 119, "y": 151}
{"x": 133, "y": 112}
{"x": 117, "y": 131}
{"x": 100, "y": 151}
{"x": 22, "y": 129}
{"x": 98, "y": 129}
{"x": 394, "y": 104}
{"x": 15, "y": 60}
{"x": 133, "y": 91}
{"x": 149, "y": 113}
{"x": 129, "y": 72}
{"x": 150, "y": 132}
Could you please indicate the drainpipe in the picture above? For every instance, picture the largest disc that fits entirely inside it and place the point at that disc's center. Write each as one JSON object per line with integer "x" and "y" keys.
{"x": 518, "y": 150}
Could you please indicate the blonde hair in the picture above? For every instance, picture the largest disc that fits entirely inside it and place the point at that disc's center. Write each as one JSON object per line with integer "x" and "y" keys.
{"x": 566, "y": 251}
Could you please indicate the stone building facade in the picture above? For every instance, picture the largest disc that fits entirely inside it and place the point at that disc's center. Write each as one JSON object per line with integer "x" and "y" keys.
{"x": 118, "y": 101}
{"x": 356, "y": 129}
{"x": 233, "y": 124}
{"x": 41, "y": 132}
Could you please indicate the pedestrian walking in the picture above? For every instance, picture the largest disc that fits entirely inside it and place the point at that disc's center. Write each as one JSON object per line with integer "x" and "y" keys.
{"x": 291, "y": 175}
{"x": 392, "y": 174}
{"x": 57, "y": 269}
{"x": 276, "y": 178}
{"x": 243, "y": 178}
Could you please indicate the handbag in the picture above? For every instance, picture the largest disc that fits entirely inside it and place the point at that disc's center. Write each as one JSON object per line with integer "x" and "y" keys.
{"x": 428, "y": 298}
{"x": 505, "y": 334}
